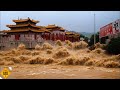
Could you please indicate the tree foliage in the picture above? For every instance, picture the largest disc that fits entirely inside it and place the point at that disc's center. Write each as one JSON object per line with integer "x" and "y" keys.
{"x": 114, "y": 46}
{"x": 92, "y": 39}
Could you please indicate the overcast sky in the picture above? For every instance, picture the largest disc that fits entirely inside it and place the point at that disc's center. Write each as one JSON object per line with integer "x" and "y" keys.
{"x": 80, "y": 21}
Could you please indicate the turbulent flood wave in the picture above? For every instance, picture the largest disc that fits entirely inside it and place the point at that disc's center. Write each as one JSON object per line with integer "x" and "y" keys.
{"x": 62, "y": 53}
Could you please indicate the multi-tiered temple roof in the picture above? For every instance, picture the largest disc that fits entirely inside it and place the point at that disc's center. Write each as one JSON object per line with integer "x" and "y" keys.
{"x": 25, "y": 25}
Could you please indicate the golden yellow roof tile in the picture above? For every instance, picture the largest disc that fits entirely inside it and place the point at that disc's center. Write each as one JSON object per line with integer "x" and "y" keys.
{"x": 23, "y": 20}
{"x": 23, "y": 25}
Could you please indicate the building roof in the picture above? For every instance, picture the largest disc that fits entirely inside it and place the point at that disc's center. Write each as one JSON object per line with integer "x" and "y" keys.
{"x": 11, "y": 26}
{"x": 46, "y": 30}
{"x": 69, "y": 33}
{"x": 11, "y": 31}
{"x": 62, "y": 29}
{"x": 24, "y": 20}
{"x": 73, "y": 36}
{"x": 53, "y": 26}
{"x": 76, "y": 34}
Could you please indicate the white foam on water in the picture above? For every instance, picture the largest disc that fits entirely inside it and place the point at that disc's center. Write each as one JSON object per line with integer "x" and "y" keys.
{"x": 10, "y": 68}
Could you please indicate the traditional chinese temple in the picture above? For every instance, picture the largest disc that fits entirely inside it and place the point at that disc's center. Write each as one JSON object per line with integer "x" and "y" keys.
{"x": 26, "y": 31}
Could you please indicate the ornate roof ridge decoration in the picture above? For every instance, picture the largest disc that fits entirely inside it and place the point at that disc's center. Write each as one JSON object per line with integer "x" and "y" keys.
{"x": 24, "y": 20}
{"x": 51, "y": 24}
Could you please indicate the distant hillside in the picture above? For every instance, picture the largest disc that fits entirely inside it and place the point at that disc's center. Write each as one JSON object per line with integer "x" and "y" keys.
{"x": 86, "y": 34}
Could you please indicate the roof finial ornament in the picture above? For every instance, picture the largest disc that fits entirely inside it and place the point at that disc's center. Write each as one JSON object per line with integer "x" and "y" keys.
{"x": 28, "y": 18}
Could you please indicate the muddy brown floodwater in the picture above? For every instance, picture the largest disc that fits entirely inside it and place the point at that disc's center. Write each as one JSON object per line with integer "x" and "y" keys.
{"x": 52, "y": 71}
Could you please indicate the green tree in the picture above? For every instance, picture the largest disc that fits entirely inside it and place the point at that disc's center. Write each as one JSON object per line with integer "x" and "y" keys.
{"x": 86, "y": 39}
{"x": 113, "y": 46}
{"x": 82, "y": 36}
{"x": 92, "y": 39}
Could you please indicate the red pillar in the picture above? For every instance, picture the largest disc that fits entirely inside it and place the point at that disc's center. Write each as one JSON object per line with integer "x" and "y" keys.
{"x": 49, "y": 36}
{"x": 35, "y": 36}
{"x": 17, "y": 37}
{"x": 53, "y": 37}
{"x": 59, "y": 37}
{"x": 56, "y": 36}
{"x": 46, "y": 35}
{"x": 43, "y": 35}
{"x": 62, "y": 37}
